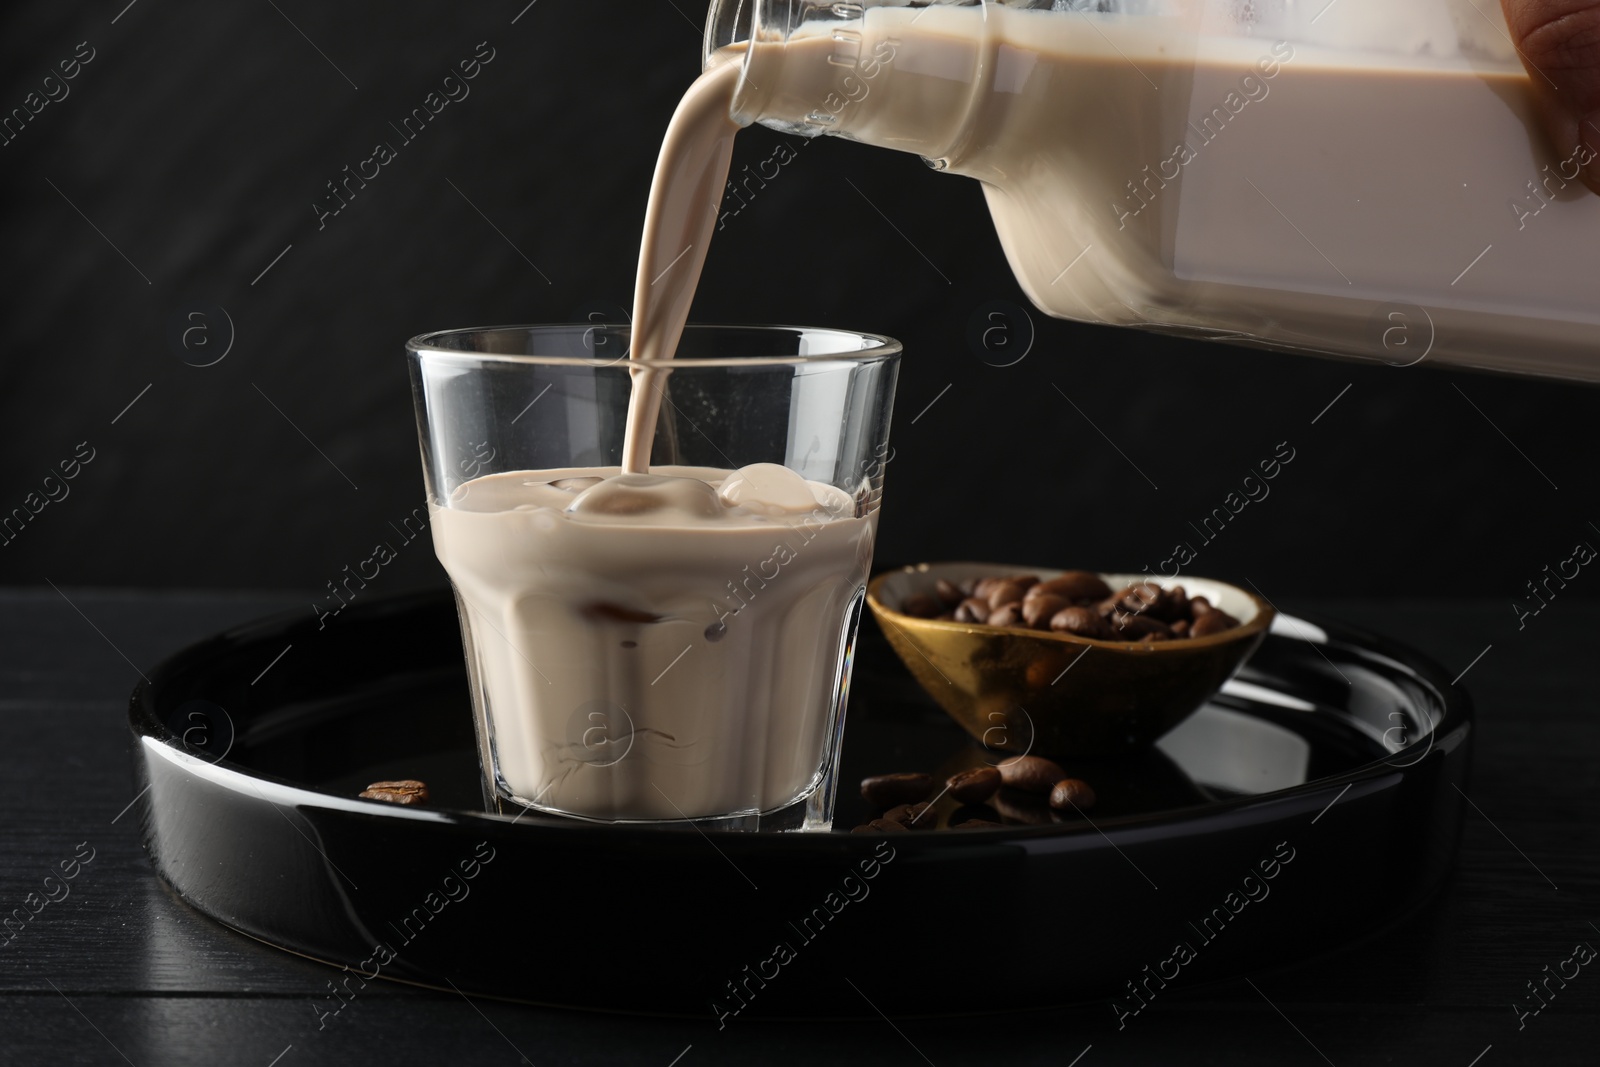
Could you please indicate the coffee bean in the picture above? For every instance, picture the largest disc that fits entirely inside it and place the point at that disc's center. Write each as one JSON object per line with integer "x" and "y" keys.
{"x": 879, "y": 826}
{"x": 406, "y": 791}
{"x": 1198, "y": 606}
{"x": 1072, "y": 793}
{"x": 1133, "y": 627}
{"x": 1037, "y": 611}
{"x": 1180, "y": 628}
{"x": 1083, "y": 622}
{"x": 912, "y": 816}
{"x": 1031, "y": 774}
{"x": 1141, "y": 598}
{"x": 973, "y": 609}
{"x": 1212, "y": 622}
{"x": 887, "y": 790}
{"x": 1020, "y": 807}
{"x": 984, "y": 586}
{"x": 948, "y": 593}
{"x": 974, "y": 786}
{"x": 1003, "y": 593}
{"x": 1010, "y": 615}
{"x": 1178, "y": 605}
{"x": 1166, "y": 609}
{"x": 921, "y": 605}
{"x": 1077, "y": 586}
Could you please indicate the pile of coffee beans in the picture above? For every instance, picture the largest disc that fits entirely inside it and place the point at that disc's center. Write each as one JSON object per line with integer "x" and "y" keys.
{"x": 1012, "y": 792}
{"x": 1076, "y": 602}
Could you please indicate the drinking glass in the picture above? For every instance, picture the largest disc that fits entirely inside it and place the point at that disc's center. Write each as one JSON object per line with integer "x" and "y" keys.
{"x": 640, "y": 669}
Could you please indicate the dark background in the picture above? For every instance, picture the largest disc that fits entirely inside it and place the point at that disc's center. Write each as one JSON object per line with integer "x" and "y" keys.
{"x": 196, "y": 142}
{"x": 200, "y": 134}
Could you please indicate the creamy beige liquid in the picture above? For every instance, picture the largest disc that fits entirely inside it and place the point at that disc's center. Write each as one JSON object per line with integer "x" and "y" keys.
{"x": 1142, "y": 172}
{"x": 656, "y": 646}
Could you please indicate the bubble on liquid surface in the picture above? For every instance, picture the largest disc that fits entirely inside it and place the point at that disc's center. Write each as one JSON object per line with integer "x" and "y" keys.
{"x": 767, "y": 489}
{"x": 646, "y": 494}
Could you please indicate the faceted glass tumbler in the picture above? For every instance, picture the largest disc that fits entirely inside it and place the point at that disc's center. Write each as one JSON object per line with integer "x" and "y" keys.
{"x": 630, "y": 672}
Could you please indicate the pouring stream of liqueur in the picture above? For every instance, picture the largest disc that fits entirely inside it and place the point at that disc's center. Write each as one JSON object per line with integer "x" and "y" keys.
{"x": 685, "y": 196}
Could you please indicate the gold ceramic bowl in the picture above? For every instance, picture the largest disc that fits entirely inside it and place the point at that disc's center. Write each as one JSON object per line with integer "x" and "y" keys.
{"x": 1058, "y": 694}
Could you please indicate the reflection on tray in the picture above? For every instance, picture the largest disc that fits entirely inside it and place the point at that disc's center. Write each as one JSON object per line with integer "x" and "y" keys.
{"x": 1235, "y": 754}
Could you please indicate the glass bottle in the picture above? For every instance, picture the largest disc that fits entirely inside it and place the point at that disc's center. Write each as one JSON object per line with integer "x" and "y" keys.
{"x": 1361, "y": 178}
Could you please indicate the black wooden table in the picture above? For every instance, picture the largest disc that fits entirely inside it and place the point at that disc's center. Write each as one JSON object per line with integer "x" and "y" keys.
{"x": 99, "y": 964}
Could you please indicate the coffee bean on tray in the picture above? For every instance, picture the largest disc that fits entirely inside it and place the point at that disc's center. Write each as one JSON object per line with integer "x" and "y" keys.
{"x": 1072, "y": 793}
{"x": 913, "y": 816}
{"x": 407, "y": 791}
{"x": 1015, "y": 791}
{"x": 1031, "y": 774}
{"x": 922, "y": 606}
{"x": 974, "y": 786}
{"x": 887, "y": 790}
{"x": 948, "y": 593}
{"x": 1016, "y": 806}
{"x": 969, "y": 812}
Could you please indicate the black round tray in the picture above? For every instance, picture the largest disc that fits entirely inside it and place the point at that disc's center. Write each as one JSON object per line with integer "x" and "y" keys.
{"x": 1310, "y": 803}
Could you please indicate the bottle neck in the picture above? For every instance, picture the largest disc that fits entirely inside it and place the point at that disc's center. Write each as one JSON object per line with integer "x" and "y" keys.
{"x": 880, "y": 74}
